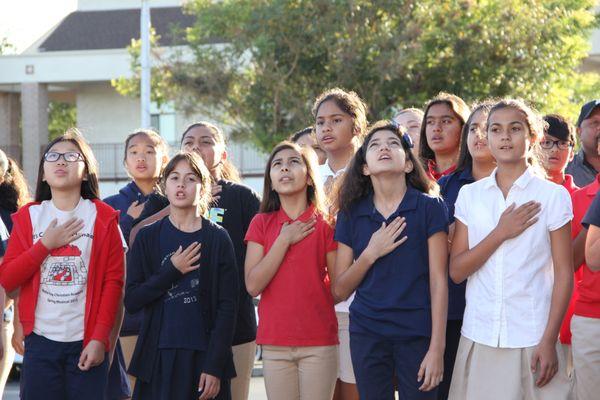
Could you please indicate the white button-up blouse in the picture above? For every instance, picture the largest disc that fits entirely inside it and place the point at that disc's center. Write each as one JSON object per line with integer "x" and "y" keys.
{"x": 508, "y": 298}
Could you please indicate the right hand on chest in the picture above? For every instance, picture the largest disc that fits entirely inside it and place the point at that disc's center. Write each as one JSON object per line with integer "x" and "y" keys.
{"x": 56, "y": 235}
{"x": 515, "y": 220}
{"x": 185, "y": 260}
{"x": 135, "y": 209}
{"x": 384, "y": 240}
{"x": 297, "y": 230}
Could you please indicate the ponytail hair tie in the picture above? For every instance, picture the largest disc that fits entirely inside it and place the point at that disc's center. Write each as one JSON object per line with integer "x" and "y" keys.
{"x": 408, "y": 140}
{"x": 402, "y": 133}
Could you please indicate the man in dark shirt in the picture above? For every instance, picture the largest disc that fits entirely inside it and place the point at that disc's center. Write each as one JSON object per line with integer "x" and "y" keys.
{"x": 586, "y": 164}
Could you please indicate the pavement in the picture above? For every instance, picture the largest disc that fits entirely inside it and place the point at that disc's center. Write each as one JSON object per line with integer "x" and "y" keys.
{"x": 257, "y": 390}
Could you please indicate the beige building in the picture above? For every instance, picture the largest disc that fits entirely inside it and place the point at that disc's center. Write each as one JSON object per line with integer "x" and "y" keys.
{"x": 75, "y": 62}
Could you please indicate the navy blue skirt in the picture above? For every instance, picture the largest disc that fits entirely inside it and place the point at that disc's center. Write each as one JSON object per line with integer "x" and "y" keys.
{"x": 176, "y": 375}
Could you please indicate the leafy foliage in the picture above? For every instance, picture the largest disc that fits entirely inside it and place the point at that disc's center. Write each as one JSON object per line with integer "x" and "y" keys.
{"x": 257, "y": 65}
{"x": 61, "y": 116}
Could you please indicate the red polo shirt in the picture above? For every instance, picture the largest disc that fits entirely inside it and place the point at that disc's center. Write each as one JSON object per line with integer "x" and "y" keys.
{"x": 570, "y": 185}
{"x": 432, "y": 171}
{"x": 296, "y": 308}
{"x": 582, "y": 199}
{"x": 588, "y": 286}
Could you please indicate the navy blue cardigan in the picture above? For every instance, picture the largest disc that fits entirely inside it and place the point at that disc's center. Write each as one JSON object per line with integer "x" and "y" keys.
{"x": 147, "y": 282}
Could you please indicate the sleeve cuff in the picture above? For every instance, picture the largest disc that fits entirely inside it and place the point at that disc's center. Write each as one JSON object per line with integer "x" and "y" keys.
{"x": 38, "y": 252}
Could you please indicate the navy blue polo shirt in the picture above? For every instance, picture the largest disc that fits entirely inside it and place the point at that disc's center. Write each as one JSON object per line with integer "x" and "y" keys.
{"x": 393, "y": 300}
{"x": 449, "y": 187}
{"x": 182, "y": 324}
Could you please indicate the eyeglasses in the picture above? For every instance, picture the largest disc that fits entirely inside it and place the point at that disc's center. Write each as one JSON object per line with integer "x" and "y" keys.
{"x": 561, "y": 144}
{"x": 70, "y": 156}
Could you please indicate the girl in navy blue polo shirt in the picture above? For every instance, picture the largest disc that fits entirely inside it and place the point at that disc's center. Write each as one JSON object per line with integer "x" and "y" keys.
{"x": 181, "y": 271}
{"x": 475, "y": 161}
{"x": 392, "y": 234}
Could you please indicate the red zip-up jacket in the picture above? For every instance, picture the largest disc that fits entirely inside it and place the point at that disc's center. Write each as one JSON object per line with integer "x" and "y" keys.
{"x": 20, "y": 269}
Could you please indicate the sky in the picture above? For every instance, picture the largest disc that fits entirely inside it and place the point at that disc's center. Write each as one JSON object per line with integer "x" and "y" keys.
{"x": 22, "y": 22}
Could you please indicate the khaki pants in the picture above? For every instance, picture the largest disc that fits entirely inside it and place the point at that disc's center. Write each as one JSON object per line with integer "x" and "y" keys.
{"x": 484, "y": 372}
{"x": 585, "y": 344}
{"x": 243, "y": 359}
{"x": 345, "y": 369}
{"x": 128, "y": 346}
{"x": 300, "y": 373}
{"x": 9, "y": 354}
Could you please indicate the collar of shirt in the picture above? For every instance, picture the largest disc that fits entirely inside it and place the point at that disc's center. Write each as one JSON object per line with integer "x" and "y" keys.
{"x": 569, "y": 184}
{"x": 431, "y": 168}
{"x": 366, "y": 207}
{"x": 593, "y": 187}
{"x": 466, "y": 175}
{"x": 282, "y": 217}
{"x": 326, "y": 171}
{"x": 521, "y": 182}
{"x": 137, "y": 192}
{"x": 580, "y": 159}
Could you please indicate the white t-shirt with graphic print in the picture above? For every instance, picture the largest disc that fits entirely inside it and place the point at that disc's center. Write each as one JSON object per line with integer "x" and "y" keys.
{"x": 60, "y": 310}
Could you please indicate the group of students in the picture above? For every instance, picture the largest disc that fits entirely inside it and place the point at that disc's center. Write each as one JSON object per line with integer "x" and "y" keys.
{"x": 431, "y": 255}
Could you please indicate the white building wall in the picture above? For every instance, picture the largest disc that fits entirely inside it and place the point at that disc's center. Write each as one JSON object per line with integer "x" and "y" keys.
{"x": 105, "y": 116}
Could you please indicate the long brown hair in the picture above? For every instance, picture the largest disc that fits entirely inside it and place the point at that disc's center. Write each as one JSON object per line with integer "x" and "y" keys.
{"x": 314, "y": 192}
{"x": 465, "y": 160}
{"x": 458, "y": 107}
{"x": 356, "y": 185}
{"x": 199, "y": 169}
{"x": 14, "y": 192}
{"x": 535, "y": 124}
{"x": 227, "y": 170}
{"x": 89, "y": 186}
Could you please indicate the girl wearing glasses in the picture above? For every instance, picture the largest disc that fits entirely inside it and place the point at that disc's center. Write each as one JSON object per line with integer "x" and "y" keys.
{"x": 557, "y": 150}
{"x": 65, "y": 258}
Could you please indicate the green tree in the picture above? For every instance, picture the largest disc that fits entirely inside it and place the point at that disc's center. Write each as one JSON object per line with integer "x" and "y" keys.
{"x": 258, "y": 64}
{"x": 61, "y": 116}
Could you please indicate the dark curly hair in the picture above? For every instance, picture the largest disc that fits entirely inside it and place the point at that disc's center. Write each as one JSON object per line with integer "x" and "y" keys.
{"x": 356, "y": 185}
{"x": 14, "y": 192}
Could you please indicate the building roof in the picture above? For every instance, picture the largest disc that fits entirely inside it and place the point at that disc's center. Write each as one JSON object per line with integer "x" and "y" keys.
{"x": 113, "y": 29}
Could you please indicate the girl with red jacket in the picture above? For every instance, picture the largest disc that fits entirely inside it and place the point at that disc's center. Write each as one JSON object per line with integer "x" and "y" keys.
{"x": 66, "y": 258}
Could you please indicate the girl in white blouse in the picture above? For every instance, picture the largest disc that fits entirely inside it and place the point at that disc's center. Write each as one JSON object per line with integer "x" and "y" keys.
{"x": 512, "y": 242}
